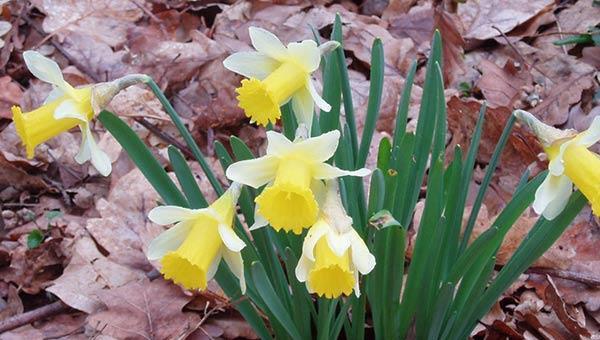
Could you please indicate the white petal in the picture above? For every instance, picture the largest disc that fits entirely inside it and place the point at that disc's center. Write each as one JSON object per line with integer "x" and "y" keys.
{"x": 277, "y": 144}
{"x": 251, "y": 64}
{"x": 53, "y": 95}
{"x": 253, "y": 172}
{"x": 326, "y": 171}
{"x": 363, "y": 260}
{"x": 46, "y": 69}
{"x": 68, "y": 109}
{"x": 236, "y": 265}
{"x": 591, "y": 136}
{"x": 304, "y": 107}
{"x": 99, "y": 158}
{"x": 356, "y": 284}
{"x": 306, "y": 53}
{"x": 259, "y": 220}
{"x": 321, "y": 103}
{"x": 302, "y": 269}
{"x": 168, "y": 214}
{"x": 267, "y": 43}
{"x": 552, "y": 196}
{"x": 214, "y": 266}
{"x": 168, "y": 240}
{"x": 319, "y": 148}
{"x": 338, "y": 243}
{"x": 312, "y": 237}
{"x": 230, "y": 239}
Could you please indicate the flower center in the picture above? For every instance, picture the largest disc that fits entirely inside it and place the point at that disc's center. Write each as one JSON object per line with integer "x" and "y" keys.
{"x": 331, "y": 275}
{"x": 289, "y": 203}
{"x": 192, "y": 263}
{"x": 261, "y": 100}
{"x": 39, "y": 125}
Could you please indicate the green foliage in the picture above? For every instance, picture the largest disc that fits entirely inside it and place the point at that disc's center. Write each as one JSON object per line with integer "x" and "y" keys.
{"x": 34, "y": 239}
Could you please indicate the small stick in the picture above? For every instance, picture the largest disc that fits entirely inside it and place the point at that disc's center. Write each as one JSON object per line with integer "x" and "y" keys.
{"x": 165, "y": 137}
{"x": 590, "y": 280}
{"x": 32, "y": 316}
{"x": 523, "y": 60}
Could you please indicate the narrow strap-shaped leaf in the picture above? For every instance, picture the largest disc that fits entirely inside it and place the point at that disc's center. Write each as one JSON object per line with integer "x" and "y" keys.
{"x": 187, "y": 136}
{"x": 186, "y": 179}
{"x": 143, "y": 159}
{"x": 346, "y": 89}
{"x": 487, "y": 178}
{"x": 374, "y": 102}
{"x": 402, "y": 113}
{"x": 288, "y": 120}
{"x": 275, "y": 305}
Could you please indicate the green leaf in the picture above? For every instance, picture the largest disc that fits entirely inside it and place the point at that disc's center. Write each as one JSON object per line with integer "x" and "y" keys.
{"x": 143, "y": 159}
{"x": 275, "y": 305}
{"x": 402, "y": 113}
{"x": 34, "y": 239}
{"x": 186, "y": 179}
{"x": 53, "y": 214}
{"x": 288, "y": 120}
{"x": 376, "y": 192}
{"x": 374, "y": 102}
{"x": 487, "y": 178}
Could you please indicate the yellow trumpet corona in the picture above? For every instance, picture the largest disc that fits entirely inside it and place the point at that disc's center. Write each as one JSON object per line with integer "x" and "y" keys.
{"x": 190, "y": 252}
{"x": 277, "y": 74}
{"x": 292, "y": 172}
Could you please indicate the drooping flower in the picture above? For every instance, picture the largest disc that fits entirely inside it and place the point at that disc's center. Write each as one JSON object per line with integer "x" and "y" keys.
{"x": 570, "y": 163}
{"x": 293, "y": 171}
{"x": 277, "y": 74}
{"x": 190, "y": 251}
{"x": 65, "y": 108}
{"x": 333, "y": 254}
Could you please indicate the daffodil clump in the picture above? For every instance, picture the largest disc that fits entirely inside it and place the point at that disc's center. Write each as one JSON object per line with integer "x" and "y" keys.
{"x": 570, "y": 162}
{"x": 190, "y": 251}
{"x": 67, "y": 107}
{"x": 277, "y": 74}
{"x": 293, "y": 172}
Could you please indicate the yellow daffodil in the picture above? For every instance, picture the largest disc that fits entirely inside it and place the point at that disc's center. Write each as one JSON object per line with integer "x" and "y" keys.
{"x": 570, "y": 162}
{"x": 276, "y": 75}
{"x": 293, "y": 171}
{"x": 190, "y": 251}
{"x": 65, "y": 108}
{"x": 333, "y": 254}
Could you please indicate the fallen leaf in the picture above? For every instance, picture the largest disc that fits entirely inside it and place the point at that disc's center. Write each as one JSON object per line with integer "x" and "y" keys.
{"x": 145, "y": 309}
{"x": 479, "y": 17}
{"x": 14, "y": 305}
{"x": 103, "y": 21}
{"x": 10, "y": 94}
{"x": 502, "y": 87}
{"x": 568, "y": 316}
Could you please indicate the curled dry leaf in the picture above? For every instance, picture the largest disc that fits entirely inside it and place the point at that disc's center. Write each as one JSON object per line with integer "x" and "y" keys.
{"x": 569, "y": 316}
{"x": 502, "y": 87}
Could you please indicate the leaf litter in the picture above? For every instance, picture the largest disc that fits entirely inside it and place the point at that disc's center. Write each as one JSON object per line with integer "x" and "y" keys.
{"x": 92, "y": 257}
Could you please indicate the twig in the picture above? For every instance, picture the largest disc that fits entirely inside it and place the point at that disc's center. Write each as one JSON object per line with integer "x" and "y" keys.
{"x": 590, "y": 280}
{"x": 32, "y": 316}
{"x": 523, "y": 60}
{"x": 165, "y": 137}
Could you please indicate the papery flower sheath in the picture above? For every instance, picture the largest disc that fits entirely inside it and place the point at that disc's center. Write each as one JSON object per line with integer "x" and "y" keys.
{"x": 191, "y": 250}
{"x": 333, "y": 254}
{"x": 277, "y": 74}
{"x": 65, "y": 108}
{"x": 293, "y": 171}
{"x": 570, "y": 162}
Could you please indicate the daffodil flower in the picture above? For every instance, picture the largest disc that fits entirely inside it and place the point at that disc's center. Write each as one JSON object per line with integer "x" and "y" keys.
{"x": 570, "y": 163}
{"x": 65, "y": 108}
{"x": 190, "y": 251}
{"x": 276, "y": 75}
{"x": 293, "y": 171}
{"x": 333, "y": 254}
